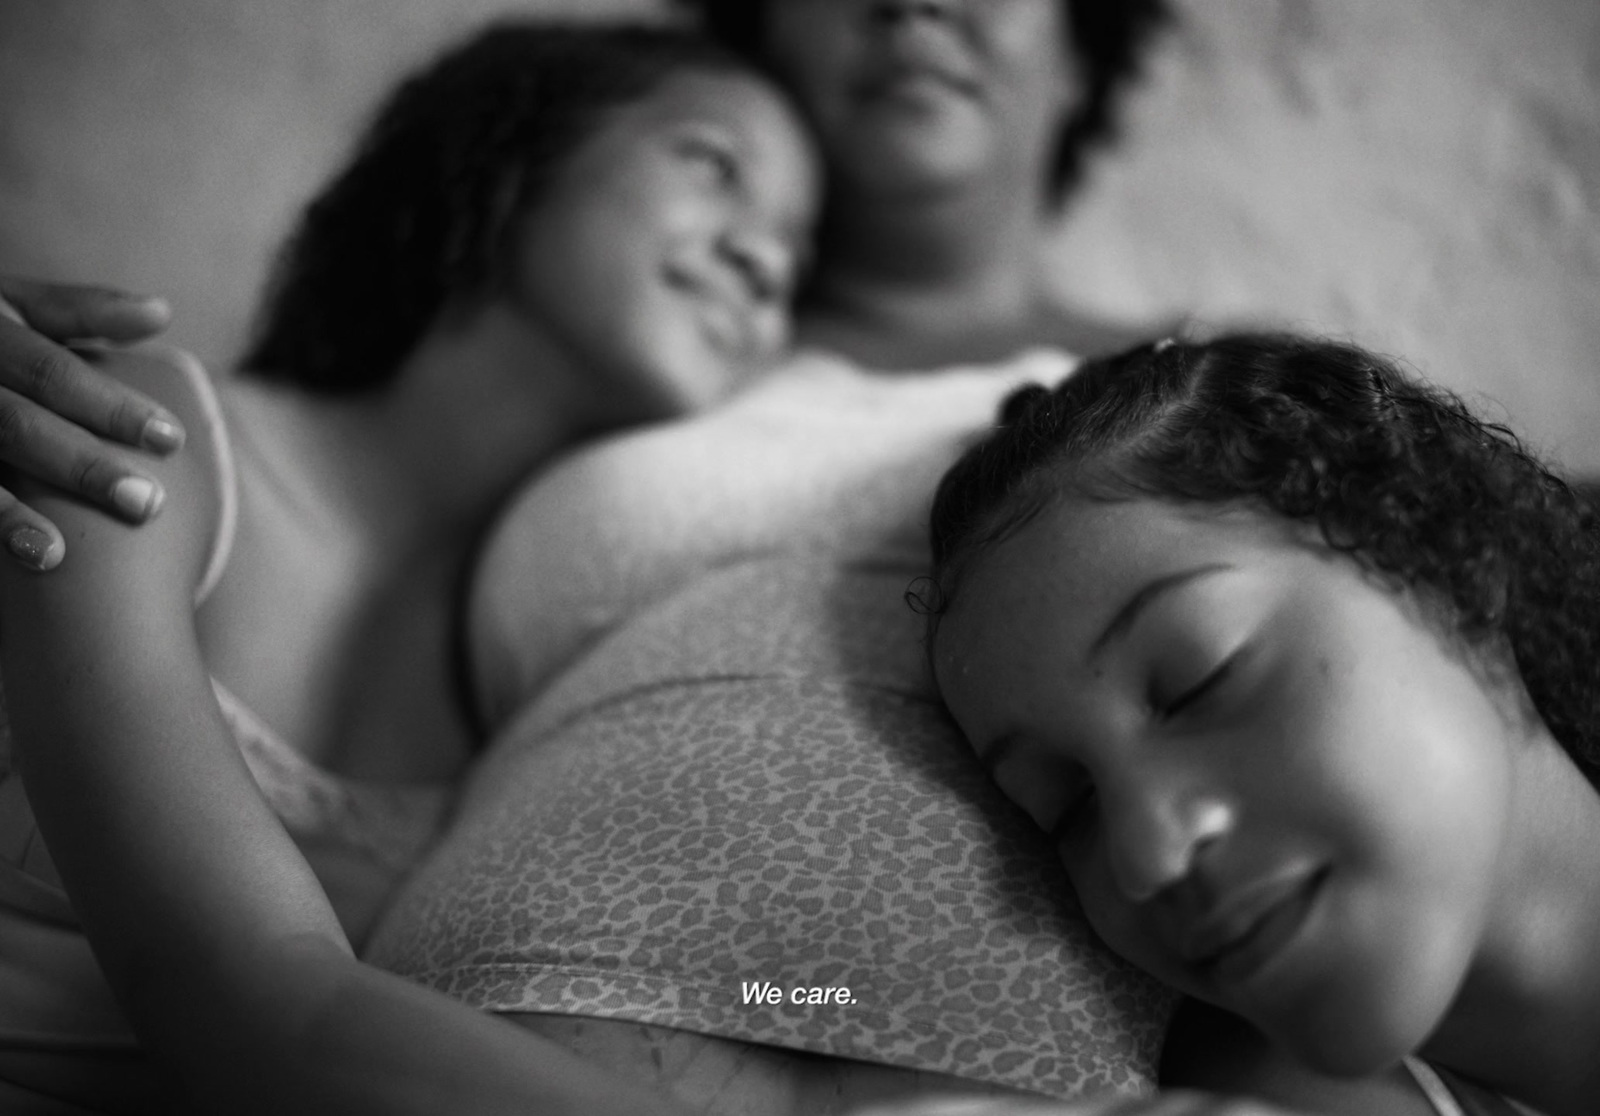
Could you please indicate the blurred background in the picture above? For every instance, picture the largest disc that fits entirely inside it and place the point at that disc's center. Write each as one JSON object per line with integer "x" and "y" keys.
{"x": 1421, "y": 176}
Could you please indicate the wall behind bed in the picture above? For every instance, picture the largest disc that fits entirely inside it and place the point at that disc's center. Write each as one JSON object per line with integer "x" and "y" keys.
{"x": 1419, "y": 175}
{"x": 168, "y": 145}
{"x": 1422, "y": 176}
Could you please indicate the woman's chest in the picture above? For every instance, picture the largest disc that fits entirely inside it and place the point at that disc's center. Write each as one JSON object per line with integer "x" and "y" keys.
{"x": 845, "y": 476}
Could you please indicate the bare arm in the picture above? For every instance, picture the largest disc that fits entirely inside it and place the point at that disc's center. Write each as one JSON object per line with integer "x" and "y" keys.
{"x": 213, "y": 931}
{"x": 54, "y": 410}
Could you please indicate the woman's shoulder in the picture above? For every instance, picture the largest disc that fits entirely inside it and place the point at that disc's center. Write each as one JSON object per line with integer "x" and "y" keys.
{"x": 180, "y": 547}
{"x": 172, "y": 375}
{"x": 200, "y": 501}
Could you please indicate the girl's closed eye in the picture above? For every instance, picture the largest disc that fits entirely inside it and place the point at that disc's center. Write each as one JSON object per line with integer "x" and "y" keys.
{"x": 716, "y": 154}
{"x": 1201, "y": 694}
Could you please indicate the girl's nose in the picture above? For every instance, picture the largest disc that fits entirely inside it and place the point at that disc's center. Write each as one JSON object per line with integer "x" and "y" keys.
{"x": 762, "y": 261}
{"x": 1157, "y": 834}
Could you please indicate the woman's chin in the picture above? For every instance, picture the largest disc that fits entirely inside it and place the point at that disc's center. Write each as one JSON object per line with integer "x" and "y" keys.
{"x": 907, "y": 162}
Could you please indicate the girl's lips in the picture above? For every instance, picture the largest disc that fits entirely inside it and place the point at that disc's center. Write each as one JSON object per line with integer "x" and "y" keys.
{"x": 718, "y": 311}
{"x": 724, "y": 328}
{"x": 1234, "y": 945}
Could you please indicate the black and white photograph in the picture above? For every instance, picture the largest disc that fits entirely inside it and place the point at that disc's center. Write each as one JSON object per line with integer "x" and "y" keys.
{"x": 800, "y": 557}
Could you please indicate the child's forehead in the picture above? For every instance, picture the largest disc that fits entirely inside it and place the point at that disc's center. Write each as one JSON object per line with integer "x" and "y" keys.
{"x": 1077, "y": 527}
{"x": 1076, "y": 553}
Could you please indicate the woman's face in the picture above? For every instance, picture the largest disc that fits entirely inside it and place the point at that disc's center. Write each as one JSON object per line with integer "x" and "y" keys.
{"x": 1273, "y": 785}
{"x": 664, "y": 256}
{"x": 911, "y": 96}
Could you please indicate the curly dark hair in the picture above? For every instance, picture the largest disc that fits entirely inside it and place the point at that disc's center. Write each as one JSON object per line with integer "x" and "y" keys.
{"x": 1399, "y": 474}
{"x": 1108, "y": 37}
{"x": 420, "y": 221}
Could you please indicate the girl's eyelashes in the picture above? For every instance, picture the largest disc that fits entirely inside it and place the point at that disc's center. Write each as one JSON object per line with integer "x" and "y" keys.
{"x": 715, "y": 154}
{"x": 1195, "y": 696}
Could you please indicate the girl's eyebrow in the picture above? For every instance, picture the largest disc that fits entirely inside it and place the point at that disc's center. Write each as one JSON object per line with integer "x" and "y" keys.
{"x": 992, "y": 752}
{"x": 1124, "y": 620}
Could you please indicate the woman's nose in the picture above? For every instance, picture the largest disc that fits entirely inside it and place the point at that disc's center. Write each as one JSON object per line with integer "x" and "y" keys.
{"x": 1158, "y": 833}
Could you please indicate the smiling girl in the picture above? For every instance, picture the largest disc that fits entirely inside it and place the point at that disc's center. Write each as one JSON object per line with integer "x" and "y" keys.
{"x": 238, "y": 728}
{"x": 1293, "y": 658}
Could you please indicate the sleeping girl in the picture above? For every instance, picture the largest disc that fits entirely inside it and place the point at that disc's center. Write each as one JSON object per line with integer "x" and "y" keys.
{"x": 1292, "y": 658}
{"x": 237, "y": 726}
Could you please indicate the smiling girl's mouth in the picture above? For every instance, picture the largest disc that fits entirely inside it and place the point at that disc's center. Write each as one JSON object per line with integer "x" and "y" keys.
{"x": 1261, "y": 936}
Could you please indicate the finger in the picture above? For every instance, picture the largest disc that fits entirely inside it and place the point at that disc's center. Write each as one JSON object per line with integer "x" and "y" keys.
{"x": 70, "y": 312}
{"x": 33, "y": 367}
{"x": 44, "y": 447}
{"x": 30, "y": 539}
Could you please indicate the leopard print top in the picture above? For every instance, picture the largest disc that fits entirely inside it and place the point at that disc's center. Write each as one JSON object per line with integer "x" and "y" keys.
{"x": 746, "y": 783}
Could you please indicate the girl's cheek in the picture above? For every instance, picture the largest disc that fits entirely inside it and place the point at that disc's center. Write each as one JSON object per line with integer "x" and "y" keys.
{"x": 1096, "y": 895}
{"x": 1116, "y": 922}
{"x": 1116, "y": 926}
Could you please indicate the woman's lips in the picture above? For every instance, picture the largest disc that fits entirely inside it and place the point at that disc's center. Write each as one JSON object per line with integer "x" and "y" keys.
{"x": 915, "y": 84}
{"x": 921, "y": 61}
{"x": 1253, "y": 928}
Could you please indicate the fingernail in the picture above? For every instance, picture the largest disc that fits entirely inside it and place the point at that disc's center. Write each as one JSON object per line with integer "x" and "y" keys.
{"x": 31, "y": 547}
{"x": 161, "y": 435}
{"x": 137, "y": 497}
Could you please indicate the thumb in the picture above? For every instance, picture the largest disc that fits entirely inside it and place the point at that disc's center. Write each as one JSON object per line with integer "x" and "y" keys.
{"x": 70, "y": 312}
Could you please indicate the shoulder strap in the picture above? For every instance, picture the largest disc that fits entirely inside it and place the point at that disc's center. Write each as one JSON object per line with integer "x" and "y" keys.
{"x": 1434, "y": 1088}
{"x": 1452, "y": 1095}
{"x": 212, "y": 440}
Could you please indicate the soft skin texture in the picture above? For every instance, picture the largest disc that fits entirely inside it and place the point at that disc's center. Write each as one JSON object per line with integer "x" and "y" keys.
{"x": 713, "y": 181}
{"x": 1277, "y": 787}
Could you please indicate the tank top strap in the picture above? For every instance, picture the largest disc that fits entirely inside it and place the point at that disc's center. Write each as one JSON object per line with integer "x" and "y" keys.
{"x": 212, "y": 440}
{"x": 1452, "y": 1095}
